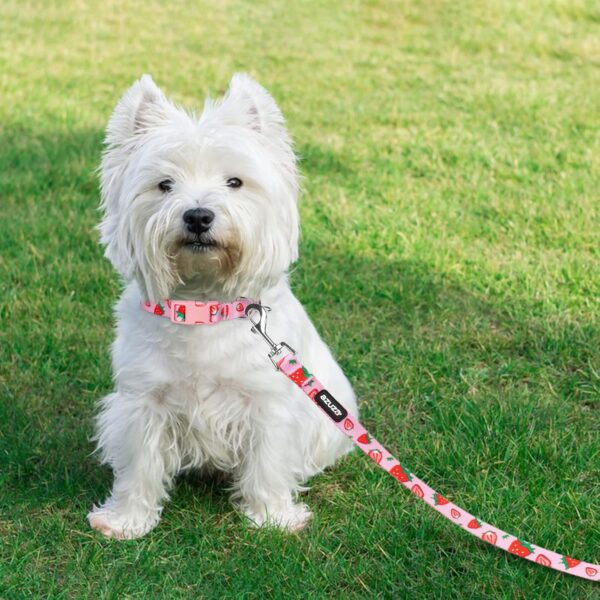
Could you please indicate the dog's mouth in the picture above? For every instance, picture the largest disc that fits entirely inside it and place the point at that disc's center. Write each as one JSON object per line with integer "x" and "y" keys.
{"x": 199, "y": 243}
{"x": 199, "y": 246}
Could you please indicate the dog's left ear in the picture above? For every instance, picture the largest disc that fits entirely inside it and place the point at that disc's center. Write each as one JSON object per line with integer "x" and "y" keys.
{"x": 248, "y": 104}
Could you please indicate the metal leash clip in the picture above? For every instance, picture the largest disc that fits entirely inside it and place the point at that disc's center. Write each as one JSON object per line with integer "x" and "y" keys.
{"x": 260, "y": 326}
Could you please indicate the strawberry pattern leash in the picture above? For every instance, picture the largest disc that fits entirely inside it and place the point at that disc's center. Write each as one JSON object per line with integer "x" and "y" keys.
{"x": 285, "y": 360}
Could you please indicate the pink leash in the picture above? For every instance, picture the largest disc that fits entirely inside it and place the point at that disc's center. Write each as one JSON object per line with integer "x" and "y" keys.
{"x": 285, "y": 360}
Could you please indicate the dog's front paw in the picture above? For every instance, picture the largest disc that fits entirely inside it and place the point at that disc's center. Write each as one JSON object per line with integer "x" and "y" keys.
{"x": 292, "y": 518}
{"x": 114, "y": 522}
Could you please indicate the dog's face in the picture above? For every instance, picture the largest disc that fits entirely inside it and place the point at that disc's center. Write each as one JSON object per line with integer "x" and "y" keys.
{"x": 205, "y": 203}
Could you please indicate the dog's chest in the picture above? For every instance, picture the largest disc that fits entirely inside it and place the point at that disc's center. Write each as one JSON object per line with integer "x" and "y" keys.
{"x": 214, "y": 422}
{"x": 218, "y": 354}
{"x": 213, "y": 394}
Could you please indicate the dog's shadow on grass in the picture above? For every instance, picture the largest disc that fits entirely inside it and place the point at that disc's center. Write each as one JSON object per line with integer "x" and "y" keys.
{"x": 384, "y": 318}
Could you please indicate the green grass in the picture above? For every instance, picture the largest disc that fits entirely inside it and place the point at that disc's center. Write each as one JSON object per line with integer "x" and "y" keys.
{"x": 449, "y": 256}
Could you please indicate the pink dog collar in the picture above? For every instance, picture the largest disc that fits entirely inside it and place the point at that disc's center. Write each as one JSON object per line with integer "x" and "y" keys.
{"x": 190, "y": 312}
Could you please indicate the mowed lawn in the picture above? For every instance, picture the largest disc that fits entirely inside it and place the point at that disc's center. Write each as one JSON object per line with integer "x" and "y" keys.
{"x": 450, "y": 257}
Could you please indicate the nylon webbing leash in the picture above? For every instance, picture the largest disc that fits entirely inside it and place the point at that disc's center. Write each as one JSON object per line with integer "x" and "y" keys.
{"x": 285, "y": 360}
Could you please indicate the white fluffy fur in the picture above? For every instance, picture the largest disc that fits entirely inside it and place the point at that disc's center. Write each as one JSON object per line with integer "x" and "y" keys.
{"x": 207, "y": 396}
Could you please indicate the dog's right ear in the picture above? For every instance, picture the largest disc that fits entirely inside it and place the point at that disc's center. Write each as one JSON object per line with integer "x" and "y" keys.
{"x": 142, "y": 107}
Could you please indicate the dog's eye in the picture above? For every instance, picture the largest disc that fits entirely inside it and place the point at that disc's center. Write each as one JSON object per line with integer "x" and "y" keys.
{"x": 234, "y": 182}
{"x": 166, "y": 185}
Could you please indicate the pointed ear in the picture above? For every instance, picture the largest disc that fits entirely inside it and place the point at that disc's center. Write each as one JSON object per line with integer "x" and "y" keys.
{"x": 248, "y": 104}
{"x": 141, "y": 107}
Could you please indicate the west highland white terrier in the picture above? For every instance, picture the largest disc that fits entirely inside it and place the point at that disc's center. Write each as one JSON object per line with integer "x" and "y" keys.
{"x": 204, "y": 209}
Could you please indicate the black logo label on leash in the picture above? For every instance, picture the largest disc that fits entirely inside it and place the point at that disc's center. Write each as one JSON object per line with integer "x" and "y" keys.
{"x": 331, "y": 406}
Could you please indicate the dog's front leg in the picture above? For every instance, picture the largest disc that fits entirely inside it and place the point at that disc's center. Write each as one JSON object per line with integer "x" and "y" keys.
{"x": 137, "y": 439}
{"x": 267, "y": 481}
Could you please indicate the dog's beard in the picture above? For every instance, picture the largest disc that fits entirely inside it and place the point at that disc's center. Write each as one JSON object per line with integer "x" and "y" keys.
{"x": 206, "y": 266}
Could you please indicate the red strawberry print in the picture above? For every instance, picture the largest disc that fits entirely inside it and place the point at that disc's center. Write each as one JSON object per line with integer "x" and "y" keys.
{"x": 439, "y": 500}
{"x": 299, "y": 376}
{"x": 225, "y": 311}
{"x": 239, "y": 307}
{"x": 473, "y": 524}
{"x": 454, "y": 513}
{"x": 490, "y": 537}
{"x": 213, "y": 309}
{"x": 375, "y": 455}
{"x": 363, "y": 439}
{"x": 417, "y": 490}
{"x": 543, "y": 560}
{"x": 159, "y": 310}
{"x": 570, "y": 562}
{"x": 180, "y": 312}
{"x": 348, "y": 425}
{"x": 591, "y": 572}
{"x": 520, "y": 548}
{"x": 400, "y": 474}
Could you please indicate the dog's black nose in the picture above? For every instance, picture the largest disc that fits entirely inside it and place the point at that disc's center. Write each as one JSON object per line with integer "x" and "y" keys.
{"x": 198, "y": 220}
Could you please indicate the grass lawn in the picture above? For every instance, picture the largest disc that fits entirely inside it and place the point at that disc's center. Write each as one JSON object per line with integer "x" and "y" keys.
{"x": 450, "y": 256}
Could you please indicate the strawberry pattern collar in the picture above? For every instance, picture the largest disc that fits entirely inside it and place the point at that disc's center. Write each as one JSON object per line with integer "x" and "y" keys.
{"x": 190, "y": 312}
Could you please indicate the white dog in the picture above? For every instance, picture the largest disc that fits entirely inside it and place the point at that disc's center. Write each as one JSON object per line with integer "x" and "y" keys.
{"x": 205, "y": 209}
